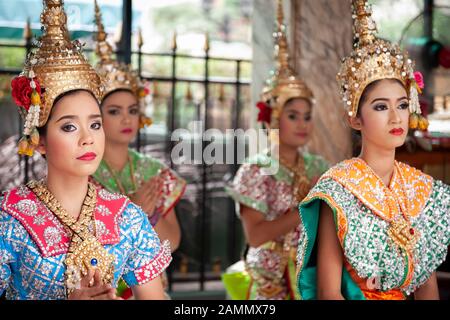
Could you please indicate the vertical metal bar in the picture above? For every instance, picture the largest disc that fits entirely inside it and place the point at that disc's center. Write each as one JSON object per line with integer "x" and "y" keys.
{"x": 171, "y": 120}
{"x": 124, "y": 53}
{"x": 428, "y": 18}
{"x": 28, "y": 36}
{"x": 232, "y": 225}
{"x": 428, "y": 29}
{"x": 173, "y": 97}
{"x": 204, "y": 220}
{"x": 140, "y": 44}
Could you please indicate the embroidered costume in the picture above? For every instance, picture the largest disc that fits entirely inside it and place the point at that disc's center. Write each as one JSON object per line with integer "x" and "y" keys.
{"x": 45, "y": 252}
{"x": 140, "y": 167}
{"x": 268, "y": 271}
{"x": 392, "y": 237}
{"x": 34, "y": 244}
{"x": 271, "y": 267}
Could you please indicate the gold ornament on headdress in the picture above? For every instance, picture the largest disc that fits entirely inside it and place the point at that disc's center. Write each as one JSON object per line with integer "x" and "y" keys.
{"x": 375, "y": 59}
{"x": 284, "y": 83}
{"x": 118, "y": 75}
{"x": 55, "y": 67}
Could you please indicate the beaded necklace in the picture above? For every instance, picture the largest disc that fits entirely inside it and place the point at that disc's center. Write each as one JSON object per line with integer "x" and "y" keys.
{"x": 301, "y": 184}
{"x": 85, "y": 251}
{"x": 400, "y": 229}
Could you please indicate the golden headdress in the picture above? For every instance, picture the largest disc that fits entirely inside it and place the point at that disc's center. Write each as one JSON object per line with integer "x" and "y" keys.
{"x": 375, "y": 59}
{"x": 284, "y": 83}
{"x": 56, "y": 66}
{"x": 117, "y": 75}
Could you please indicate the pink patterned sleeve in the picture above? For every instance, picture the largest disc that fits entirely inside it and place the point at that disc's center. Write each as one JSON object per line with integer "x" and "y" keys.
{"x": 250, "y": 188}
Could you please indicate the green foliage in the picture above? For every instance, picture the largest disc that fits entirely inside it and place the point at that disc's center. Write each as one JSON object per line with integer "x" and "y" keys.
{"x": 12, "y": 57}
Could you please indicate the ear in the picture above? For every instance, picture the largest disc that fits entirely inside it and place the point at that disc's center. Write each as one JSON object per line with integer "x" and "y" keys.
{"x": 42, "y": 147}
{"x": 355, "y": 123}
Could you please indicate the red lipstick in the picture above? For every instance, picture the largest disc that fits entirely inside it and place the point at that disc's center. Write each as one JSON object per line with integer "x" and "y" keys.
{"x": 397, "y": 131}
{"x": 127, "y": 130}
{"x": 302, "y": 134}
{"x": 88, "y": 156}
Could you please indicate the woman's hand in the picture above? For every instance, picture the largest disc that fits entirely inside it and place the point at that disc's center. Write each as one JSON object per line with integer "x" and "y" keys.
{"x": 148, "y": 194}
{"x": 96, "y": 291}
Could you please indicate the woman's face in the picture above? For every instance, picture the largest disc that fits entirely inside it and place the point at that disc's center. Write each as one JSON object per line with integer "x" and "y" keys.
{"x": 384, "y": 115}
{"x": 295, "y": 123}
{"x": 120, "y": 112}
{"x": 74, "y": 140}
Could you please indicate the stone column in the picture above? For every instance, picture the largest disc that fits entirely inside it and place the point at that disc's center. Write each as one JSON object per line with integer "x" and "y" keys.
{"x": 263, "y": 26}
{"x": 320, "y": 34}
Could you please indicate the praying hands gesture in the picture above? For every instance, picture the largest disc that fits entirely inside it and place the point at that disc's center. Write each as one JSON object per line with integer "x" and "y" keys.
{"x": 148, "y": 194}
{"x": 93, "y": 289}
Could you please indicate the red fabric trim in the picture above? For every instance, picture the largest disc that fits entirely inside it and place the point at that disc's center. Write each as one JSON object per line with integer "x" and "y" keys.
{"x": 127, "y": 294}
{"x": 156, "y": 266}
{"x": 46, "y": 230}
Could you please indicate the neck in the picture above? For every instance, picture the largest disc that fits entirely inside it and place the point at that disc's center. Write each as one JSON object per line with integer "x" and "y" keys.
{"x": 116, "y": 155}
{"x": 69, "y": 190}
{"x": 381, "y": 161}
{"x": 288, "y": 153}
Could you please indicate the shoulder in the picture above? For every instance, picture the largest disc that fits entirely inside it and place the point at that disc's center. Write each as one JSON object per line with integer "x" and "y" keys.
{"x": 411, "y": 173}
{"x": 261, "y": 159}
{"x": 315, "y": 162}
{"x": 258, "y": 163}
{"x": 141, "y": 158}
{"x": 329, "y": 187}
{"x": 340, "y": 168}
{"x": 133, "y": 215}
{"x": 10, "y": 227}
{"x": 249, "y": 173}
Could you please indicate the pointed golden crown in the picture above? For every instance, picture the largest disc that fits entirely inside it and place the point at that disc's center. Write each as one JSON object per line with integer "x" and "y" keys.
{"x": 284, "y": 83}
{"x": 54, "y": 67}
{"x": 373, "y": 59}
{"x": 117, "y": 75}
{"x": 57, "y": 63}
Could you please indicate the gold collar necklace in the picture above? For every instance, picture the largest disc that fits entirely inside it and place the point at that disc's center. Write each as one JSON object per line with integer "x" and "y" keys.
{"x": 85, "y": 251}
{"x": 300, "y": 183}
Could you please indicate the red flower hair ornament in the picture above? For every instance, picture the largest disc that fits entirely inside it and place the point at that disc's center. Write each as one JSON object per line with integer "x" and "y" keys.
{"x": 265, "y": 112}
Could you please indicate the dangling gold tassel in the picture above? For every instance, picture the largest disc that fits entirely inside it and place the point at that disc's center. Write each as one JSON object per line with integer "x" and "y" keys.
{"x": 414, "y": 121}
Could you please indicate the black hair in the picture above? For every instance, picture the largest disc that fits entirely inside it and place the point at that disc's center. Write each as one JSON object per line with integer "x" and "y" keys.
{"x": 43, "y": 130}
{"x": 295, "y": 98}
{"x": 114, "y": 91}
{"x": 366, "y": 92}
